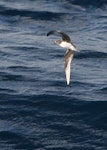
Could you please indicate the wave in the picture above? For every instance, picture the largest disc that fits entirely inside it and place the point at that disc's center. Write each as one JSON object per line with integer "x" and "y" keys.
{"x": 9, "y": 137}
{"x": 11, "y": 77}
{"x": 91, "y": 54}
{"x": 38, "y": 15}
{"x": 88, "y": 3}
{"x": 102, "y": 90}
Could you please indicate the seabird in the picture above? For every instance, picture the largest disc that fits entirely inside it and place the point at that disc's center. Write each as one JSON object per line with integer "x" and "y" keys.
{"x": 70, "y": 48}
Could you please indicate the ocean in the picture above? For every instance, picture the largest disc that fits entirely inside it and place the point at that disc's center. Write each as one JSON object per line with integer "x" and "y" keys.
{"x": 38, "y": 110}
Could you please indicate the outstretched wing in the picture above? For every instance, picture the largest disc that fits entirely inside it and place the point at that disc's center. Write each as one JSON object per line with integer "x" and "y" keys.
{"x": 67, "y": 62}
{"x": 64, "y": 36}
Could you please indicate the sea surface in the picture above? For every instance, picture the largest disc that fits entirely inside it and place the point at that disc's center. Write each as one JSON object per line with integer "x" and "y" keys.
{"x": 38, "y": 111}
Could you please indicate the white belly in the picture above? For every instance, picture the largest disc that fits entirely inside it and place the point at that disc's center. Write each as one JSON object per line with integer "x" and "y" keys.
{"x": 68, "y": 46}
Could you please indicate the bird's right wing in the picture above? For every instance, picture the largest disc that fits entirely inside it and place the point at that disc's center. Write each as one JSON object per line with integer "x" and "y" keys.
{"x": 67, "y": 62}
{"x": 64, "y": 36}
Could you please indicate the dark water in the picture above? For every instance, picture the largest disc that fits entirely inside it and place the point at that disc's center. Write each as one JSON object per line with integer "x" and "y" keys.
{"x": 38, "y": 111}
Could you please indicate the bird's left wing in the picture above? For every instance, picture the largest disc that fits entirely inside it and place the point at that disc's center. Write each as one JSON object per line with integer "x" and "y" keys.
{"x": 67, "y": 62}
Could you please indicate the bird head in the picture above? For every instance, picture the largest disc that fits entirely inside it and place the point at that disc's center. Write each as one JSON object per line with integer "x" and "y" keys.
{"x": 58, "y": 42}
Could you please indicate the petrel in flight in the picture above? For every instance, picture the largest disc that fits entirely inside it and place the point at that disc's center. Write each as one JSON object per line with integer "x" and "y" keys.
{"x": 70, "y": 48}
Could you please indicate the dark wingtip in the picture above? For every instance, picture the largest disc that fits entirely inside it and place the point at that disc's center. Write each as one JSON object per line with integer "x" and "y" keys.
{"x": 50, "y": 32}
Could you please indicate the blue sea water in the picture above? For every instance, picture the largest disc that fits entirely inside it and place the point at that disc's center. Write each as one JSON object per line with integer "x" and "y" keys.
{"x": 38, "y": 111}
